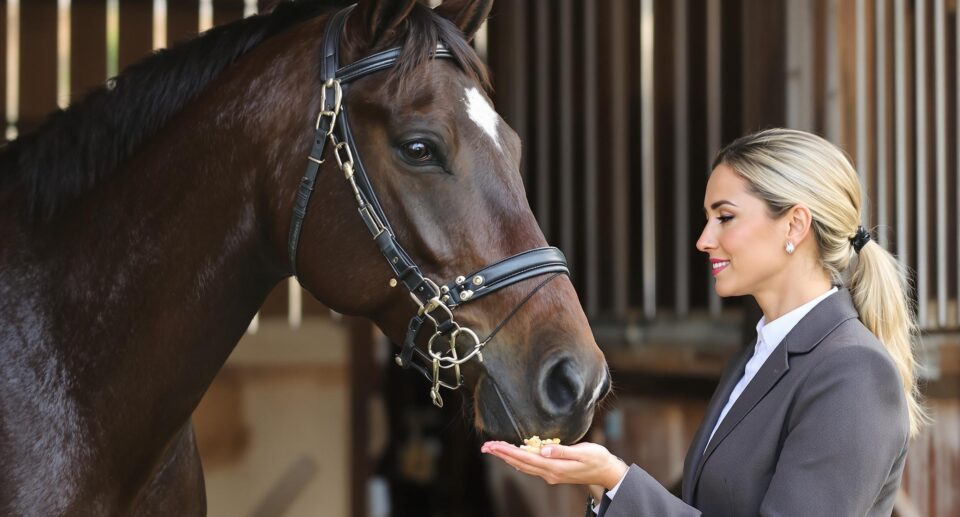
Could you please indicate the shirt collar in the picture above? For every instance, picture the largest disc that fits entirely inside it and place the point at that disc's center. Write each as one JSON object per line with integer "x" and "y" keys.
{"x": 769, "y": 335}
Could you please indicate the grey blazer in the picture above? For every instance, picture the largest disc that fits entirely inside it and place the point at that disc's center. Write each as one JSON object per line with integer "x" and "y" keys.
{"x": 822, "y": 429}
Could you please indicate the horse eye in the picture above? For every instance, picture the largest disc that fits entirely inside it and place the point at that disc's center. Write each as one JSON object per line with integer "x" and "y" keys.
{"x": 418, "y": 151}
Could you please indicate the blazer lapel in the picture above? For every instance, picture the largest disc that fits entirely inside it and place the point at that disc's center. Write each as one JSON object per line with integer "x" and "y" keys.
{"x": 806, "y": 335}
{"x": 728, "y": 380}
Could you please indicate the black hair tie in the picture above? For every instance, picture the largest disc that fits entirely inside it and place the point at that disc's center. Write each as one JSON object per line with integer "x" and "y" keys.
{"x": 860, "y": 239}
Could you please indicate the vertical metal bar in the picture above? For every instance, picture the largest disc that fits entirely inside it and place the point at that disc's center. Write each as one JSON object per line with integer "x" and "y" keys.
{"x": 940, "y": 121}
{"x": 206, "y": 15}
{"x": 517, "y": 17}
{"x": 249, "y": 8}
{"x": 294, "y": 303}
{"x": 159, "y": 24}
{"x": 833, "y": 101}
{"x": 113, "y": 37}
{"x": 13, "y": 68}
{"x": 681, "y": 160}
{"x": 619, "y": 153}
{"x": 590, "y": 157}
{"x": 63, "y": 53}
{"x": 920, "y": 51}
{"x": 542, "y": 52}
{"x": 900, "y": 114}
{"x": 880, "y": 126}
{"x": 714, "y": 43}
{"x": 863, "y": 162}
{"x": 799, "y": 65}
{"x": 567, "y": 102}
{"x": 480, "y": 43}
{"x": 647, "y": 166}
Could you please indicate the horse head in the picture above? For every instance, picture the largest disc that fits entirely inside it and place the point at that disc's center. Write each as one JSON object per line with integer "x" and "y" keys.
{"x": 443, "y": 169}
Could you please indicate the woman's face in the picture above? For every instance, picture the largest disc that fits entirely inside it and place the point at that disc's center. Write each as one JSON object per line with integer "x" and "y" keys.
{"x": 746, "y": 246}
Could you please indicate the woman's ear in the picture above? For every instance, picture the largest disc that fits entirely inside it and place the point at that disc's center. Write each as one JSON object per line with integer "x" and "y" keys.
{"x": 799, "y": 220}
{"x": 469, "y": 15}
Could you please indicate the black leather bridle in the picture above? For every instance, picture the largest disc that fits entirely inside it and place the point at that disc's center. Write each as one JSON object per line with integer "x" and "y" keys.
{"x": 436, "y": 302}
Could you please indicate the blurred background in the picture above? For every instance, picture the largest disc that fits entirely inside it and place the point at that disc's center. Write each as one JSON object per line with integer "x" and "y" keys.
{"x": 621, "y": 105}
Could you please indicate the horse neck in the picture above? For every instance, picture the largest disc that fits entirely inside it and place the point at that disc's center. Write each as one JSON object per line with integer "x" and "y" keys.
{"x": 138, "y": 292}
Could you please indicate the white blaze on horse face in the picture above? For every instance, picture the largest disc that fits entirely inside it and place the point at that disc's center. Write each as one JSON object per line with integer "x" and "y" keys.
{"x": 482, "y": 114}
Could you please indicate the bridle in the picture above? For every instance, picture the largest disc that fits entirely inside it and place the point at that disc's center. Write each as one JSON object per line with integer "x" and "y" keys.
{"x": 435, "y": 303}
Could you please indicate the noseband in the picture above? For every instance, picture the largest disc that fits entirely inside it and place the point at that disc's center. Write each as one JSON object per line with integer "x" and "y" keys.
{"x": 435, "y": 303}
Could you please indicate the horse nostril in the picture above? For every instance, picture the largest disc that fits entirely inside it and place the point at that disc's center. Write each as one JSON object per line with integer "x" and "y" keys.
{"x": 561, "y": 387}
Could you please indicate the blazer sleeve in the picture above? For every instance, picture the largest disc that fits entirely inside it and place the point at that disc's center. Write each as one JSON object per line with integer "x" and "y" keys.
{"x": 640, "y": 494}
{"x": 845, "y": 433}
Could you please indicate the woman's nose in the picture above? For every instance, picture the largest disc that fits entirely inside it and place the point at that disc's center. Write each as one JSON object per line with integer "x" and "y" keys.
{"x": 706, "y": 242}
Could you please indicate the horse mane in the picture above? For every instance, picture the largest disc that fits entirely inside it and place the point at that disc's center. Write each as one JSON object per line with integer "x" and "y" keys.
{"x": 76, "y": 148}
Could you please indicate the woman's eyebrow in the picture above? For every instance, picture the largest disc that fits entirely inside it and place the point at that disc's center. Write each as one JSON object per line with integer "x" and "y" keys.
{"x": 720, "y": 203}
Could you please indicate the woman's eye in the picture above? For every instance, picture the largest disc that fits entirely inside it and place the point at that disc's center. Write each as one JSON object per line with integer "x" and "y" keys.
{"x": 724, "y": 218}
{"x": 417, "y": 151}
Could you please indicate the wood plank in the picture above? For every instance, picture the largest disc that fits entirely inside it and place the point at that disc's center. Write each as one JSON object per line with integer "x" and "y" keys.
{"x": 136, "y": 32}
{"x": 88, "y": 47}
{"x": 38, "y": 62}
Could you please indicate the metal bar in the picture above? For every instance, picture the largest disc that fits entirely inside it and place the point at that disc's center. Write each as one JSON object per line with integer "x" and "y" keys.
{"x": 63, "y": 53}
{"x": 714, "y": 113}
{"x": 13, "y": 68}
{"x": 619, "y": 150}
{"x": 940, "y": 133}
{"x": 205, "y": 21}
{"x": 647, "y": 166}
{"x": 833, "y": 101}
{"x": 249, "y": 8}
{"x": 159, "y": 24}
{"x": 590, "y": 157}
{"x": 517, "y": 18}
{"x": 901, "y": 135}
{"x": 920, "y": 50}
{"x": 880, "y": 126}
{"x": 294, "y": 303}
{"x": 113, "y": 37}
{"x": 567, "y": 79}
{"x": 542, "y": 52}
{"x": 863, "y": 161}
{"x": 480, "y": 41}
{"x": 681, "y": 160}
{"x": 799, "y": 66}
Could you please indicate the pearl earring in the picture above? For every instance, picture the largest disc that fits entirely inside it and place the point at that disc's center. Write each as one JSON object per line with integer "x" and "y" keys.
{"x": 790, "y": 248}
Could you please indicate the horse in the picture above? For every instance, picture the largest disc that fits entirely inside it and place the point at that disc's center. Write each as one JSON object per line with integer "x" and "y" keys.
{"x": 143, "y": 227}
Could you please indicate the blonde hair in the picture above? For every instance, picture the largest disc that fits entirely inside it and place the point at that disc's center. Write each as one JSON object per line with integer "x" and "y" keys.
{"x": 785, "y": 167}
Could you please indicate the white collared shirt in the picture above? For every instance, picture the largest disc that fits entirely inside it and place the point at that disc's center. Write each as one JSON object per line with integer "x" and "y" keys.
{"x": 769, "y": 336}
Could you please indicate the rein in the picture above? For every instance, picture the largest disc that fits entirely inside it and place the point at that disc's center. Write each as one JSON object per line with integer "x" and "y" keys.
{"x": 435, "y": 302}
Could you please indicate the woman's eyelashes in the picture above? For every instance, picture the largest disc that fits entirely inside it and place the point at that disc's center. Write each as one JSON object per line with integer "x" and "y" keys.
{"x": 724, "y": 218}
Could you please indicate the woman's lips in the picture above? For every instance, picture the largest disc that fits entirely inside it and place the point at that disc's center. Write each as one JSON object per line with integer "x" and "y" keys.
{"x": 717, "y": 265}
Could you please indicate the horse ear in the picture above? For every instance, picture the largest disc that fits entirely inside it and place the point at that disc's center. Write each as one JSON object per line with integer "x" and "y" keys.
{"x": 371, "y": 20}
{"x": 469, "y": 15}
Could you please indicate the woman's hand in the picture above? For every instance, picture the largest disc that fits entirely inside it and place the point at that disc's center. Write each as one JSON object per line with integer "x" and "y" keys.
{"x": 580, "y": 464}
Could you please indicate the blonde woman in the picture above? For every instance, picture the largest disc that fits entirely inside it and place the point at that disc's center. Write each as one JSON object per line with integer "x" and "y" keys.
{"x": 814, "y": 417}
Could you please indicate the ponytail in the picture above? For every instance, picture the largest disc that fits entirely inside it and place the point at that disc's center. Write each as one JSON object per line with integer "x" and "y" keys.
{"x": 880, "y": 294}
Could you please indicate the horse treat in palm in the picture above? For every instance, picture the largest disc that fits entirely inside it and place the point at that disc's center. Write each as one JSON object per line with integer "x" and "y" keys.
{"x": 535, "y": 443}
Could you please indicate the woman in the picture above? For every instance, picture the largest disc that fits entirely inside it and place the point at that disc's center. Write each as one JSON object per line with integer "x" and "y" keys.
{"x": 814, "y": 417}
